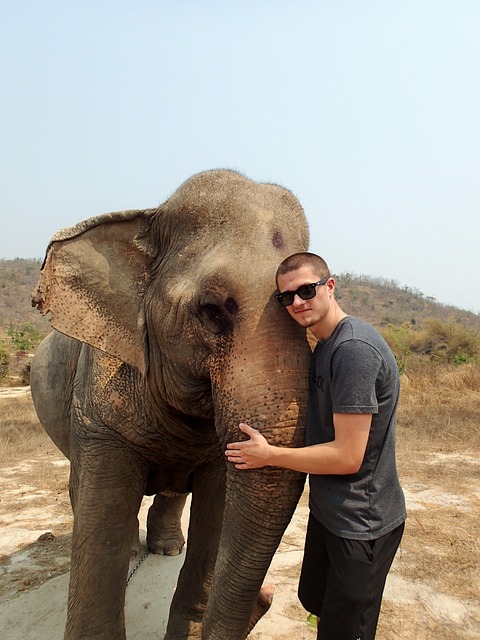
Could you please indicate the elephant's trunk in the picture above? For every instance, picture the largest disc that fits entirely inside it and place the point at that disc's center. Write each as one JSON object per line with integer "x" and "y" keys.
{"x": 259, "y": 506}
{"x": 262, "y": 382}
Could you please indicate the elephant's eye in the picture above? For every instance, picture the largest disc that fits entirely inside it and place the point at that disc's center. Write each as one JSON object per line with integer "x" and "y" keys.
{"x": 231, "y": 306}
{"x": 215, "y": 320}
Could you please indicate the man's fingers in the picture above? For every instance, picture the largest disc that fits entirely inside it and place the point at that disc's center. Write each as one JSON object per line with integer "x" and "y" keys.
{"x": 250, "y": 431}
{"x": 235, "y": 445}
{"x": 247, "y": 429}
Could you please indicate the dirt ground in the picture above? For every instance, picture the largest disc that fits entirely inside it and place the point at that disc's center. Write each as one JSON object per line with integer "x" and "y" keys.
{"x": 433, "y": 591}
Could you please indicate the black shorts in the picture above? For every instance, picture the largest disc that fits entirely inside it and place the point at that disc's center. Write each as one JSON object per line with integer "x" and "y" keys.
{"x": 342, "y": 581}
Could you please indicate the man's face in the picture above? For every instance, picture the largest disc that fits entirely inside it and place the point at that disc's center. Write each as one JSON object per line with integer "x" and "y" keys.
{"x": 306, "y": 312}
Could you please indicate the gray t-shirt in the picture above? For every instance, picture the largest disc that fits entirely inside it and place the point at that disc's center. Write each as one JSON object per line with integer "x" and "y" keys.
{"x": 354, "y": 371}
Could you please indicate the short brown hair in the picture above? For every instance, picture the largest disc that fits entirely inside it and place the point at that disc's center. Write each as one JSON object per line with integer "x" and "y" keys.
{"x": 298, "y": 260}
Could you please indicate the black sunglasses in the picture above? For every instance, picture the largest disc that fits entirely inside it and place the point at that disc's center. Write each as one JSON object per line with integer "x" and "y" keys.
{"x": 305, "y": 292}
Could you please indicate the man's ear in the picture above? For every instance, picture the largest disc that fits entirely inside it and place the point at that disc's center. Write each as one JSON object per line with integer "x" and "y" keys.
{"x": 93, "y": 282}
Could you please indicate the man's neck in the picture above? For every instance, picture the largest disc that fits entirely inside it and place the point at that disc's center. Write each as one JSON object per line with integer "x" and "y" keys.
{"x": 324, "y": 329}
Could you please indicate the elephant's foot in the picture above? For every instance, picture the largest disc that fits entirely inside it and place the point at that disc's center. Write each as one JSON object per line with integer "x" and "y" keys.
{"x": 136, "y": 545}
{"x": 262, "y": 605}
{"x": 180, "y": 629}
{"x": 164, "y": 531}
{"x": 164, "y": 543}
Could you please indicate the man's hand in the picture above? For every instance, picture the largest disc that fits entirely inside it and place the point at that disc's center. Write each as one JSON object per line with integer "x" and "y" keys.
{"x": 342, "y": 456}
{"x": 249, "y": 454}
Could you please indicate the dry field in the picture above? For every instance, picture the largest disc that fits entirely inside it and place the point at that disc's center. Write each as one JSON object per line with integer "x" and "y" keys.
{"x": 433, "y": 590}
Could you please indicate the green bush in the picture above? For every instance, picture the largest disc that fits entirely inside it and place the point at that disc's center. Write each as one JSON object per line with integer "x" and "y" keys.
{"x": 399, "y": 339}
{"x": 447, "y": 342}
{"x": 26, "y": 337}
{"x": 435, "y": 341}
{"x": 4, "y": 361}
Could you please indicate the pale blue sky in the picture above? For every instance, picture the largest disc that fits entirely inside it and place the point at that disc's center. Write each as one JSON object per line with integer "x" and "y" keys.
{"x": 368, "y": 111}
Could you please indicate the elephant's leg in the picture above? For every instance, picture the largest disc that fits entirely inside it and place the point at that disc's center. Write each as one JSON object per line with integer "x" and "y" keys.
{"x": 135, "y": 544}
{"x": 106, "y": 486}
{"x": 164, "y": 529}
{"x": 262, "y": 604}
{"x": 206, "y": 515}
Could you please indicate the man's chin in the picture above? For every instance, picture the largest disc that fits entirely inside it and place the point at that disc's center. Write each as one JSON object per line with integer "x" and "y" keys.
{"x": 305, "y": 320}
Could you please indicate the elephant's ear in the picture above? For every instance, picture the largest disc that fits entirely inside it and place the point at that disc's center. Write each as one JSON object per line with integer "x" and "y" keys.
{"x": 93, "y": 281}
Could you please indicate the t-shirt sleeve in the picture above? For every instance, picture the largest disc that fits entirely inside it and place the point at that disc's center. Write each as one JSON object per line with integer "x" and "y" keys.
{"x": 355, "y": 370}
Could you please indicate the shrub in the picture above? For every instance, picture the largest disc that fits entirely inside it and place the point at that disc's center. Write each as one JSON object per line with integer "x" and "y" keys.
{"x": 25, "y": 374}
{"x": 435, "y": 342}
{"x": 399, "y": 339}
{"x": 4, "y": 361}
{"x": 446, "y": 342}
{"x": 26, "y": 337}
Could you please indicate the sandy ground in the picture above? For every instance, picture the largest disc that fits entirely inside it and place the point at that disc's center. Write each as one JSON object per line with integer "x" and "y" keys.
{"x": 35, "y": 531}
{"x": 39, "y": 613}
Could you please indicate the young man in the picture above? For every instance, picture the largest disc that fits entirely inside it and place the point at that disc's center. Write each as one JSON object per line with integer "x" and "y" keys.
{"x": 357, "y": 507}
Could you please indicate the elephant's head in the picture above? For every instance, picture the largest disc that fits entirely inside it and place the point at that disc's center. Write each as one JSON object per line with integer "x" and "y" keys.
{"x": 184, "y": 293}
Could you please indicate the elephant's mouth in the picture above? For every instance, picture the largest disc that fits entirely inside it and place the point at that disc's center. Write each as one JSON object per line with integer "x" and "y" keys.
{"x": 196, "y": 403}
{"x": 201, "y": 406}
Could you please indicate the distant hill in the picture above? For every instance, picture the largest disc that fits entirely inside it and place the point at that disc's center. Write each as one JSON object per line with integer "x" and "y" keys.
{"x": 375, "y": 300}
{"x": 18, "y": 278}
{"x": 382, "y": 302}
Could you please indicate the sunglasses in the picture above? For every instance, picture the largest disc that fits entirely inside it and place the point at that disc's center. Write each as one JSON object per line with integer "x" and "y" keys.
{"x": 305, "y": 292}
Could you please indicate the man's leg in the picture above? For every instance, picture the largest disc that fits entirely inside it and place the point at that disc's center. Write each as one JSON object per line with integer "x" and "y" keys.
{"x": 356, "y": 579}
{"x": 315, "y": 568}
{"x": 384, "y": 550}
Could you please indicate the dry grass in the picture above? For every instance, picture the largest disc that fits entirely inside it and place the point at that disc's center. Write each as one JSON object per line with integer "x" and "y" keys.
{"x": 439, "y": 408}
{"x": 438, "y": 460}
{"x": 21, "y": 433}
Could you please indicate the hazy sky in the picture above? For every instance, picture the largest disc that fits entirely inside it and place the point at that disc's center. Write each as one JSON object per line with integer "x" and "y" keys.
{"x": 368, "y": 110}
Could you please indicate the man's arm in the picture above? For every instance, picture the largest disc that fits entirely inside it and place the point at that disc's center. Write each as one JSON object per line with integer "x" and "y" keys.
{"x": 342, "y": 456}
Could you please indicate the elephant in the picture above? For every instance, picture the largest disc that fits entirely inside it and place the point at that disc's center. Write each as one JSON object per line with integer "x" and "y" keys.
{"x": 166, "y": 335}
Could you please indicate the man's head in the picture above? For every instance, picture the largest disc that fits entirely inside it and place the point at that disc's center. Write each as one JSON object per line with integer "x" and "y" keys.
{"x": 297, "y": 260}
{"x": 306, "y": 290}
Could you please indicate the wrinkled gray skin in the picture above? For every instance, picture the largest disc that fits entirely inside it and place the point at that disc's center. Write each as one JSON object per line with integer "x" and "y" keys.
{"x": 167, "y": 336}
